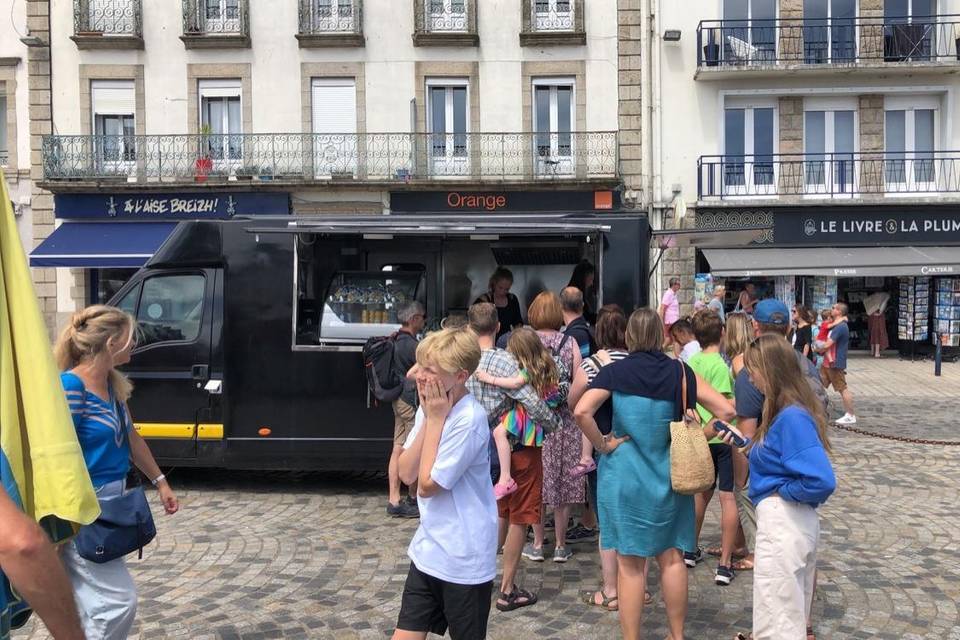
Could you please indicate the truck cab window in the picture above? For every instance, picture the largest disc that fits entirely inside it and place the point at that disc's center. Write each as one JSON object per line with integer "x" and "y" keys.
{"x": 128, "y": 302}
{"x": 171, "y": 308}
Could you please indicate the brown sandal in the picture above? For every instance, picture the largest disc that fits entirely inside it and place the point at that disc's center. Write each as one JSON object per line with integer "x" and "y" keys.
{"x": 743, "y": 564}
{"x": 608, "y": 604}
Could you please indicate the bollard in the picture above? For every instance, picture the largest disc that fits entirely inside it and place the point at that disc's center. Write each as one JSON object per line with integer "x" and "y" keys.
{"x": 938, "y": 356}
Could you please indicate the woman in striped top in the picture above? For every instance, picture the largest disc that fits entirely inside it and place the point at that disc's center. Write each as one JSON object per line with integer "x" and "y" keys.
{"x": 95, "y": 342}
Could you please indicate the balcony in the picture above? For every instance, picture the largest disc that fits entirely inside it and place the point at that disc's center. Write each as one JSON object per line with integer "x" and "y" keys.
{"x": 445, "y": 23}
{"x": 107, "y": 24}
{"x": 216, "y": 24}
{"x": 552, "y": 22}
{"x": 330, "y": 23}
{"x": 769, "y": 48}
{"x": 4, "y": 158}
{"x": 341, "y": 159}
{"x": 819, "y": 175}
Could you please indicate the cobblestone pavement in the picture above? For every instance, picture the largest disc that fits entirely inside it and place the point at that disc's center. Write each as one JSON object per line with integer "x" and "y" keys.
{"x": 307, "y": 556}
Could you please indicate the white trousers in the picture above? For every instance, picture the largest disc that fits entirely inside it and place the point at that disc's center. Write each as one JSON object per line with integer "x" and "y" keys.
{"x": 786, "y": 563}
{"x": 105, "y": 593}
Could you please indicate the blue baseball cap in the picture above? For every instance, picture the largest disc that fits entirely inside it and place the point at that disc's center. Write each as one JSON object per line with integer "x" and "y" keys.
{"x": 772, "y": 311}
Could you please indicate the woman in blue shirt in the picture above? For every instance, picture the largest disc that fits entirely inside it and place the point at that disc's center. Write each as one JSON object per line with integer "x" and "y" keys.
{"x": 95, "y": 342}
{"x": 790, "y": 476}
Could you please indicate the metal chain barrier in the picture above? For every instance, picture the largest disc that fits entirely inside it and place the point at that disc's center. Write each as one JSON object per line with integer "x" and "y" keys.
{"x": 884, "y": 436}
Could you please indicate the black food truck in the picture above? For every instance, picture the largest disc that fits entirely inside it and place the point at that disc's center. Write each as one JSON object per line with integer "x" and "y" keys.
{"x": 252, "y": 328}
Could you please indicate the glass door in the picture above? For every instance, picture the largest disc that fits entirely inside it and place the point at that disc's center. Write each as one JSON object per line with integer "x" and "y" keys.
{"x": 747, "y": 167}
{"x": 749, "y": 33}
{"x": 829, "y": 31}
{"x": 553, "y": 123}
{"x": 829, "y": 143}
{"x": 910, "y": 141}
{"x": 910, "y": 30}
{"x": 449, "y": 148}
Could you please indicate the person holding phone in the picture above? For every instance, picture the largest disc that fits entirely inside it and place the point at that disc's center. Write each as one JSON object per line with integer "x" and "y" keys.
{"x": 453, "y": 555}
{"x": 790, "y": 476}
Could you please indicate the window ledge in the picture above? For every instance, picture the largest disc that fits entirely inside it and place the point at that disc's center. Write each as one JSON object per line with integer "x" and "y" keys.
{"x": 445, "y": 39}
{"x": 215, "y": 41}
{"x": 326, "y": 40}
{"x": 10, "y": 61}
{"x": 547, "y": 38}
{"x": 91, "y": 41}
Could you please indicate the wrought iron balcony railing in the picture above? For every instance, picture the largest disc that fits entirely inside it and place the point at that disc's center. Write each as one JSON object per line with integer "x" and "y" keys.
{"x": 4, "y": 158}
{"x": 769, "y": 43}
{"x": 552, "y": 15}
{"x": 828, "y": 174}
{"x": 379, "y": 157}
{"x": 216, "y": 18}
{"x": 319, "y": 17}
{"x": 108, "y": 17}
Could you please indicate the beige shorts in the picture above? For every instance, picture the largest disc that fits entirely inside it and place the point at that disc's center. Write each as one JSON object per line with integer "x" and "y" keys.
{"x": 403, "y": 419}
{"x": 836, "y": 377}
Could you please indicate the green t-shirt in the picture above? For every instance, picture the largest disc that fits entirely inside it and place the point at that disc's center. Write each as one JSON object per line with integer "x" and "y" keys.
{"x": 712, "y": 368}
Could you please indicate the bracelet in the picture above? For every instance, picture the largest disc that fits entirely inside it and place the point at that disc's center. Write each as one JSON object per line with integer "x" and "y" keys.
{"x": 160, "y": 478}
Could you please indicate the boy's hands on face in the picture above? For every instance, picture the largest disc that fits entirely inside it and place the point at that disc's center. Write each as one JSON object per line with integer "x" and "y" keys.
{"x": 436, "y": 402}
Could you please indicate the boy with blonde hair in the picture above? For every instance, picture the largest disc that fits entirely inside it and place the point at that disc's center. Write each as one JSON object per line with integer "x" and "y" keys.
{"x": 453, "y": 554}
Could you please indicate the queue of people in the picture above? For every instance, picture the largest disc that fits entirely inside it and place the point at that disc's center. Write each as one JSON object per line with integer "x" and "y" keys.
{"x": 589, "y": 429}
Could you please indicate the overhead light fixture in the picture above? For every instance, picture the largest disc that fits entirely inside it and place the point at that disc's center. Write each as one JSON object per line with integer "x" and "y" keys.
{"x": 33, "y": 41}
{"x": 671, "y": 35}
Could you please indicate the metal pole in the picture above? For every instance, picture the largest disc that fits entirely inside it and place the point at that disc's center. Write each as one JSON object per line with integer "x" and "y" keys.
{"x": 938, "y": 356}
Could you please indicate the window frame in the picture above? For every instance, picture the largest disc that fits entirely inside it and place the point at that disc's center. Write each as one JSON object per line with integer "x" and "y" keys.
{"x": 751, "y": 29}
{"x": 455, "y": 162}
{"x": 749, "y": 188}
{"x": 138, "y": 288}
{"x": 226, "y": 90}
{"x": 556, "y": 161}
{"x": 830, "y": 107}
{"x": 126, "y": 157}
{"x": 910, "y": 105}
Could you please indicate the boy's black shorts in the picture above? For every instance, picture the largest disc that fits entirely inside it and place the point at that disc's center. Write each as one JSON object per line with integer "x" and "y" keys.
{"x": 722, "y": 456}
{"x": 434, "y": 605}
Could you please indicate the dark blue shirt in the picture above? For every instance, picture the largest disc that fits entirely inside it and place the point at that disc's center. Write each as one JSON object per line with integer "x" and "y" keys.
{"x": 840, "y": 335}
{"x": 579, "y": 330}
{"x": 791, "y": 461}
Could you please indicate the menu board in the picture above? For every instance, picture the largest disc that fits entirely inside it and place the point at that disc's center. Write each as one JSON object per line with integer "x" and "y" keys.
{"x": 946, "y": 315}
{"x": 913, "y": 317}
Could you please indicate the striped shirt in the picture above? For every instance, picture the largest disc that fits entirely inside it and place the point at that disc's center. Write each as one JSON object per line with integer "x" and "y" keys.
{"x": 591, "y": 366}
{"x": 102, "y": 430}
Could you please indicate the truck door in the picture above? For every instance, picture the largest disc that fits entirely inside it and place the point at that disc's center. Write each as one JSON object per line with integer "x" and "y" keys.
{"x": 173, "y": 393}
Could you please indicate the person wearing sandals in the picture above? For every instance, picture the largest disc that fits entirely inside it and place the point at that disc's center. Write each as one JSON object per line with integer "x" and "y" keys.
{"x": 561, "y": 450}
{"x": 453, "y": 554}
{"x": 640, "y": 515}
{"x": 522, "y": 507}
{"x": 610, "y": 336}
{"x": 96, "y": 341}
{"x": 791, "y": 476}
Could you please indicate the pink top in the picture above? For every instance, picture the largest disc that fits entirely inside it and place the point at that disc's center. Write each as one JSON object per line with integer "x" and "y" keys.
{"x": 672, "y": 312}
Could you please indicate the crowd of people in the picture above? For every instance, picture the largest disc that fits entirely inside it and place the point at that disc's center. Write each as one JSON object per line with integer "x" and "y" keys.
{"x": 570, "y": 417}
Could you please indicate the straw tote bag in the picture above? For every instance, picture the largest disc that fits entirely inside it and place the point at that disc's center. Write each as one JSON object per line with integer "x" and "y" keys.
{"x": 691, "y": 466}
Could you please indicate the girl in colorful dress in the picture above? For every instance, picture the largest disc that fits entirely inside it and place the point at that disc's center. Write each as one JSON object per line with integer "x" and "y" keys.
{"x": 516, "y": 428}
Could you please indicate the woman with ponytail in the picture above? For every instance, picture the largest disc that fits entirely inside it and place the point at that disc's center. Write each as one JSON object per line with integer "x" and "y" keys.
{"x": 96, "y": 341}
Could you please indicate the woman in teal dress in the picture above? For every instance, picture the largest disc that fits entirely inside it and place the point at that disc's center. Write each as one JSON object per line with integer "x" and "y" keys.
{"x": 640, "y": 515}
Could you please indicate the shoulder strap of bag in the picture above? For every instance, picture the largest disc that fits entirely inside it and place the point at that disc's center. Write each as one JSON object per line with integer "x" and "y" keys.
{"x": 683, "y": 391}
{"x": 559, "y": 349}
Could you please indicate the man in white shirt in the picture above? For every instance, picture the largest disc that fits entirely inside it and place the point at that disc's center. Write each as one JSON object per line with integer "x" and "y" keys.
{"x": 453, "y": 553}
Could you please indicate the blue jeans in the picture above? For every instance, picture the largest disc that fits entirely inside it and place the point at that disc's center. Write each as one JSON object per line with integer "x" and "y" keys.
{"x": 105, "y": 593}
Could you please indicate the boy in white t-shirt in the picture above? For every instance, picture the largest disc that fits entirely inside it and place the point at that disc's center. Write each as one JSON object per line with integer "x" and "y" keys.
{"x": 454, "y": 551}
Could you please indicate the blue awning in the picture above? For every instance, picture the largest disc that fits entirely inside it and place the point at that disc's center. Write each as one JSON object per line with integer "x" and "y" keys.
{"x": 101, "y": 244}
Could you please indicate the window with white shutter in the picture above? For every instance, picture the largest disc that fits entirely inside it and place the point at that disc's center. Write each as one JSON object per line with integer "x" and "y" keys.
{"x": 334, "y": 110}
{"x": 114, "y": 108}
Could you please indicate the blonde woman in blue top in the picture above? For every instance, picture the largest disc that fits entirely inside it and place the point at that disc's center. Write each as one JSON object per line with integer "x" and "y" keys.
{"x": 95, "y": 342}
{"x": 790, "y": 476}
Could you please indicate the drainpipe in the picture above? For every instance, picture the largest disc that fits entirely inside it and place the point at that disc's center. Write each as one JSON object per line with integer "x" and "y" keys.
{"x": 652, "y": 132}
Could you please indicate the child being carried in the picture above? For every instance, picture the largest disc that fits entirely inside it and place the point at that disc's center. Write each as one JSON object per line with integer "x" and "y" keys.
{"x": 516, "y": 427}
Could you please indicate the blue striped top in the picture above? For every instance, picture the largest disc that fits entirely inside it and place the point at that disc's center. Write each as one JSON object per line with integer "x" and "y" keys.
{"x": 103, "y": 434}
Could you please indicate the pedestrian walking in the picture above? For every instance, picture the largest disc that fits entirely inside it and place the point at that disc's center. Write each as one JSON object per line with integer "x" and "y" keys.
{"x": 710, "y": 366}
{"x": 716, "y": 302}
{"x": 94, "y": 343}
{"x": 803, "y": 318}
{"x": 561, "y": 451}
{"x": 507, "y": 304}
{"x": 669, "y": 309}
{"x": 834, "y": 370}
{"x": 453, "y": 554}
{"x": 412, "y": 317}
{"x": 640, "y": 515}
{"x": 791, "y": 476}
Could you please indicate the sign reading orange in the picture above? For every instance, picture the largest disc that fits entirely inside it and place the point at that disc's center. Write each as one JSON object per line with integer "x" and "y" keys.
{"x": 489, "y": 202}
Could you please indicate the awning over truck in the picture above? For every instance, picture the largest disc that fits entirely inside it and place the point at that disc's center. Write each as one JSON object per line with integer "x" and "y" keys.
{"x": 486, "y": 227}
{"x": 101, "y": 244}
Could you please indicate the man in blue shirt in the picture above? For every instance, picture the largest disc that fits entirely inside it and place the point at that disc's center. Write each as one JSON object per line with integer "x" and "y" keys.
{"x": 835, "y": 372}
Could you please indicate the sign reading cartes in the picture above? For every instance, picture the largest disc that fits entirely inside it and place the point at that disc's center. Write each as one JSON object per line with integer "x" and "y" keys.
{"x": 874, "y": 226}
{"x": 502, "y": 201}
{"x": 169, "y": 206}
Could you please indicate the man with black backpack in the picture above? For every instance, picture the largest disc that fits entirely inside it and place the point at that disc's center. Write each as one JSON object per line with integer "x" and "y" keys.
{"x": 412, "y": 319}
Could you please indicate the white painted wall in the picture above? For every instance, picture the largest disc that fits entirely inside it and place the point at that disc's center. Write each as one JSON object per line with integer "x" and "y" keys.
{"x": 389, "y": 57}
{"x": 13, "y": 26}
{"x": 692, "y": 116}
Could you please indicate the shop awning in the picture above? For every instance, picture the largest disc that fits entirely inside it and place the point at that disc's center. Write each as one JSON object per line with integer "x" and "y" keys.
{"x": 101, "y": 244}
{"x": 834, "y": 261}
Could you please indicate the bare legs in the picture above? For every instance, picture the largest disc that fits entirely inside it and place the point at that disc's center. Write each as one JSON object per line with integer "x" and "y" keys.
{"x": 632, "y": 585}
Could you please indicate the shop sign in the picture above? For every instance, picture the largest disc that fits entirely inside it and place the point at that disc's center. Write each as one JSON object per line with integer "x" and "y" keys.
{"x": 466, "y": 201}
{"x": 882, "y": 226}
{"x": 169, "y": 206}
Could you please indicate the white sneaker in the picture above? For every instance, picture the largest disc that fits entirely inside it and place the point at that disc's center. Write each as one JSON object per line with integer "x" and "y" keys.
{"x": 846, "y": 419}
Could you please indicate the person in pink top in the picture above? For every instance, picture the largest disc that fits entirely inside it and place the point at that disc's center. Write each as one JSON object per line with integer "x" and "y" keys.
{"x": 669, "y": 310}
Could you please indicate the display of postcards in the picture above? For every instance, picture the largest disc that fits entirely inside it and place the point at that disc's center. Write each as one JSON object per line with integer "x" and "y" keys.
{"x": 948, "y": 313}
{"x": 945, "y": 299}
{"x": 945, "y": 284}
{"x": 941, "y": 326}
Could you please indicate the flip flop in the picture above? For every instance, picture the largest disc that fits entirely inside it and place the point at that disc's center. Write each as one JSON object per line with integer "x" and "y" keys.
{"x": 503, "y": 490}
{"x": 512, "y": 599}
{"x": 582, "y": 468}
{"x": 743, "y": 564}
{"x": 718, "y": 551}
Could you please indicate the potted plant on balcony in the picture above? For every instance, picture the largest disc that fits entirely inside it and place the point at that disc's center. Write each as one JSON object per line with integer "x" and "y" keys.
{"x": 711, "y": 50}
{"x": 204, "y": 162}
{"x": 248, "y": 172}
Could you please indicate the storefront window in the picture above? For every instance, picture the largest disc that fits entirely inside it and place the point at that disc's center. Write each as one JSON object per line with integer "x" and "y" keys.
{"x": 105, "y": 283}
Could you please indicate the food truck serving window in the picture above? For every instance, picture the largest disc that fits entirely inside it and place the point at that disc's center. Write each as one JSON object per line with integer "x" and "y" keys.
{"x": 344, "y": 297}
